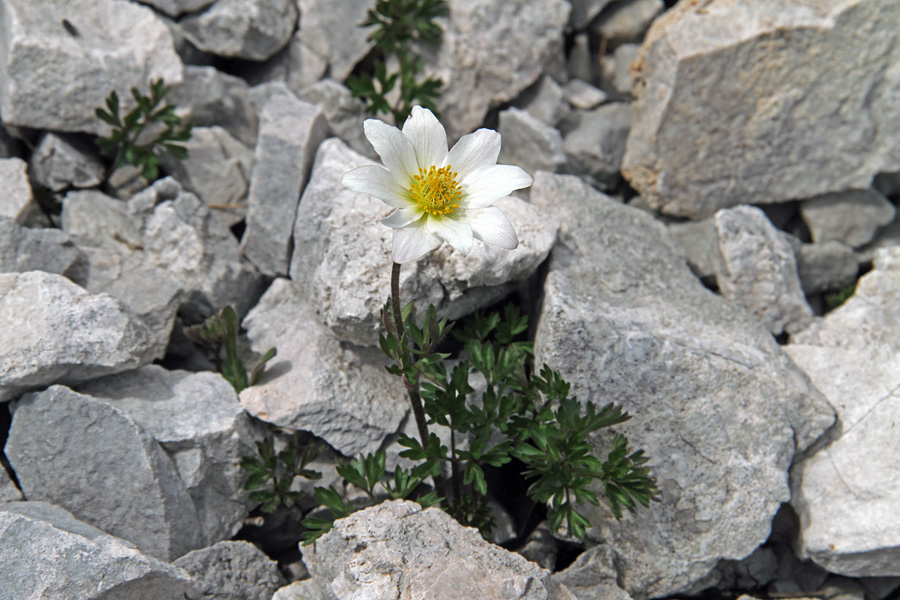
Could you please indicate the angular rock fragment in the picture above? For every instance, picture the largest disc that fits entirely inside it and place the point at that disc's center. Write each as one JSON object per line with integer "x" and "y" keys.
{"x": 59, "y": 162}
{"x": 397, "y": 549}
{"x": 342, "y": 255}
{"x": 592, "y": 576}
{"x": 8, "y": 490}
{"x": 545, "y": 100}
{"x": 72, "y": 53}
{"x": 785, "y": 129}
{"x": 850, "y": 217}
{"x": 307, "y": 589}
{"x": 50, "y": 554}
{"x": 290, "y": 131}
{"x": 330, "y": 28}
{"x": 530, "y": 143}
{"x": 216, "y": 98}
{"x": 845, "y": 493}
{"x": 242, "y": 28}
{"x": 15, "y": 191}
{"x": 596, "y": 144}
{"x": 56, "y": 332}
{"x": 622, "y": 59}
{"x": 23, "y": 249}
{"x": 826, "y": 266}
{"x": 344, "y": 112}
{"x": 581, "y": 94}
{"x": 297, "y": 66}
{"x": 717, "y": 406}
{"x": 231, "y": 571}
{"x": 626, "y": 21}
{"x": 699, "y": 244}
{"x": 338, "y": 392}
{"x": 756, "y": 268}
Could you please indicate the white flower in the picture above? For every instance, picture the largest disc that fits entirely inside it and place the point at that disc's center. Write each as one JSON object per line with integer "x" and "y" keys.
{"x": 440, "y": 196}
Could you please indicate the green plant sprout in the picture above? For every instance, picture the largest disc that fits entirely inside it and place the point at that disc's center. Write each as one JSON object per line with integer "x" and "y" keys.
{"x": 144, "y": 133}
{"x": 219, "y": 332}
{"x": 399, "y": 24}
{"x": 280, "y": 469}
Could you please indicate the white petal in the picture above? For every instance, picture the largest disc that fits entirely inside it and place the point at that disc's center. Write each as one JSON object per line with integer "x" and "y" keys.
{"x": 478, "y": 149}
{"x": 427, "y": 136}
{"x": 413, "y": 242}
{"x": 395, "y": 150}
{"x": 491, "y": 225}
{"x": 455, "y": 232}
{"x": 486, "y": 185}
{"x": 403, "y": 216}
{"x": 376, "y": 181}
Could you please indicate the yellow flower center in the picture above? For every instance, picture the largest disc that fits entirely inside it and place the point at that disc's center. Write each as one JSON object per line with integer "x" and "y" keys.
{"x": 436, "y": 190}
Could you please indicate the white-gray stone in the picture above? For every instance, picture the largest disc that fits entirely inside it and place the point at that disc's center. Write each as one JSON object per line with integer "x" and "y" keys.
{"x": 584, "y": 11}
{"x": 51, "y": 78}
{"x": 398, "y": 550}
{"x": 49, "y": 554}
{"x": 344, "y": 112}
{"x": 331, "y": 29}
{"x": 597, "y": 143}
{"x": 8, "y": 490}
{"x": 581, "y": 94}
{"x": 23, "y": 249}
{"x": 626, "y": 21}
{"x": 340, "y": 393}
{"x": 290, "y": 131}
{"x": 242, "y": 28}
{"x": 755, "y": 267}
{"x": 581, "y": 63}
{"x": 56, "y": 332}
{"x": 592, "y": 576}
{"x": 851, "y": 217}
{"x": 342, "y": 255}
{"x": 231, "y": 571}
{"x": 717, "y": 406}
{"x": 545, "y": 100}
{"x": 825, "y": 267}
{"x": 699, "y": 244}
{"x": 845, "y": 493}
{"x": 92, "y": 459}
{"x": 786, "y": 128}
{"x": 307, "y": 589}
{"x": 174, "y": 8}
{"x": 622, "y": 59}
{"x": 530, "y": 143}
{"x": 59, "y": 162}
{"x": 297, "y": 66}
{"x": 15, "y": 190}
{"x": 210, "y": 97}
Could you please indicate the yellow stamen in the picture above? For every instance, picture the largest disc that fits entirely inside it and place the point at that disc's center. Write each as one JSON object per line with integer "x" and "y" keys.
{"x": 436, "y": 190}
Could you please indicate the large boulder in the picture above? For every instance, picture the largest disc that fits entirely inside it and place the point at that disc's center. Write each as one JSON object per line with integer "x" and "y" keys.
{"x": 775, "y": 125}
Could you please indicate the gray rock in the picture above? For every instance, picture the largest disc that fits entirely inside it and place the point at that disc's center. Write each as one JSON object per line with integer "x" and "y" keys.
{"x": 93, "y": 219}
{"x": 330, "y": 28}
{"x": 826, "y": 266}
{"x": 119, "y": 45}
{"x": 50, "y": 250}
{"x": 342, "y": 255}
{"x": 59, "y": 333}
{"x": 544, "y": 100}
{"x": 242, "y": 28}
{"x": 492, "y": 51}
{"x": 756, "y": 268}
{"x": 397, "y": 549}
{"x": 49, "y": 554}
{"x": 59, "y": 162}
{"x": 297, "y": 66}
{"x": 622, "y": 59}
{"x": 344, "y": 113}
{"x": 845, "y": 492}
{"x": 530, "y": 143}
{"x": 851, "y": 217}
{"x": 231, "y": 571}
{"x": 581, "y": 63}
{"x": 290, "y": 131}
{"x": 596, "y": 145}
{"x": 592, "y": 576}
{"x": 90, "y": 458}
{"x": 699, "y": 244}
{"x": 9, "y": 492}
{"x": 786, "y": 129}
{"x": 581, "y": 94}
{"x": 584, "y": 11}
{"x": 307, "y": 589}
{"x": 174, "y": 8}
{"x": 717, "y": 406}
{"x": 15, "y": 190}
{"x": 339, "y": 393}
{"x": 626, "y": 21}
{"x": 212, "y": 97}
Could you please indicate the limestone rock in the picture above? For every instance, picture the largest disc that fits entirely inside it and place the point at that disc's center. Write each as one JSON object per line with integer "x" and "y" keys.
{"x": 397, "y": 549}
{"x": 56, "y": 332}
{"x": 826, "y": 266}
{"x": 717, "y": 406}
{"x": 342, "y": 255}
{"x": 242, "y": 28}
{"x": 307, "y": 589}
{"x": 596, "y": 144}
{"x": 592, "y": 576}
{"x": 330, "y": 28}
{"x": 90, "y": 458}
{"x": 845, "y": 493}
{"x": 622, "y": 59}
{"x": 290, "y": 131}
{"x": 545, "y": 100}
{"x": 530, "y": 143}
{"x": 117, "y": 45}
{"x": 626, "y": 21}
{"x": 296, "y": 65}
{"x": 756, "y": 268}
{"x": 338, "y": 392}
{"x": 345, "y": 113}
{"x": 50, "y": 250}
{"x": 699, "y": 244}
{"x": 15, "y": 191}
{"x": 212, "y": 97}
{"x": 581, "y": 94}
{"x": 8, "y": 490}
{"x": 850, "y": 217}
{"x": 49, "y": 554}
{"x": 785, "y": 129}
{"x": 59, "y": 162}
{"x": 231, "y": 571}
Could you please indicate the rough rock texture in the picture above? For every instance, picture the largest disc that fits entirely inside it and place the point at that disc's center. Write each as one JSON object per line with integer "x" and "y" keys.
{"x": 200, "y": 423}
{"x": 15, "y": 191}
{"x": 592, "y": 576}
{"x": 491, "y": 51}
{"x": 596, "y": 145}
{"x": 242, "y": 28}
{"x": 52, "y": 79}
{"x": 290, "y": 131}
{"x": 59, "y": 162}
{"x": 90, "y": 458}
{"x": 397, "y": 550}
{"x": 581, "y": 94}
{"x": 50, "y": 250}
{"x": 342, "y": 255}
{"x": 717, "y": 405}
{"x": 49, "y": 554}
{"x": 345, "y": 114}
{"x": 824, "y": 267}
{"x": 627, "y": 21}
{"x": 850, "y": 217}
{"x": 530, "y": 143}
{"x": 56, "y": 332}
{"x": 340, "y": 393}
{"x": 212, "y": 97}
{"x": 846, "y": 493}
{"x": 231, "y": 571}
{"x": 8, "y": 490}
{"x": 330, "y": 28}
{"x": 301, "y": 590}
{"x": 545, "y": 100}
{"x": 770, "y": 127}
{"x": 699, "y": 244}
{"x": 296, "y": 65}
{"x": 756, "y": 268}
